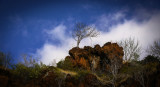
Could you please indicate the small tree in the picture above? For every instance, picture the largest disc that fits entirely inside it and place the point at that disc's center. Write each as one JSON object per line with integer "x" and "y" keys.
{"x": 115, "y": 65}
{"x": 29, "y": 60}
{"x": 131, "y": 49}
{"x": 155, "y": 49}
{"x": 82, "y": 31}
{"x": 5, "y": 60}
{"x": 65, "y": 64}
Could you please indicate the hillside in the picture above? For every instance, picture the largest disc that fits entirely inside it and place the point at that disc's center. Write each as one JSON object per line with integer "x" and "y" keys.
{"x": 86, "y": 67}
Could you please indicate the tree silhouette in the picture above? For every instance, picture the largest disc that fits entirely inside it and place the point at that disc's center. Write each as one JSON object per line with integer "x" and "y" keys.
{"x": 154, "y": 49}
{"x": 131, "y": 49}
{"x": 82, "y": 31}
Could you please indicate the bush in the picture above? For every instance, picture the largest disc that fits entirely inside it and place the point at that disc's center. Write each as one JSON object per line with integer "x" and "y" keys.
{"x": 35, "y": 71}
{"x": 131, "y": 68}
{"x": 65, "y": 64}
{"x": 81, "y": 74}
{"x": 21, "y": 71}
{"x": 6, "y": 60}
{"x": 151, "y": 64}
{"x": 27, "y": 73}
{"x": 150, "y": 59}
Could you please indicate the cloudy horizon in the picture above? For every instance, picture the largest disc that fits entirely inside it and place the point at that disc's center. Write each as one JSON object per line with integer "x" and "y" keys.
{"x": 146, "y": 32}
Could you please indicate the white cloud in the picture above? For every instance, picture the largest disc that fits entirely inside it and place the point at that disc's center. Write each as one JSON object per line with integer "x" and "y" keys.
{"x": 105, "y": 21}
{"x": 146, "y": 32}
{"x": 57, "y": 33}
{"x": 50, "y": 51}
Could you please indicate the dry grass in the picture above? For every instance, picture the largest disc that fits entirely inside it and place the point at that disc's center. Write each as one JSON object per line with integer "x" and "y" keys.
{"x": 67, "y": 72}
{"x": 102, "y": 79}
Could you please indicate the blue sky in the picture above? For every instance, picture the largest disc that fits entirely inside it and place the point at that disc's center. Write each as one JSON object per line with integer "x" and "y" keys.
{"x": 43, "y": 27}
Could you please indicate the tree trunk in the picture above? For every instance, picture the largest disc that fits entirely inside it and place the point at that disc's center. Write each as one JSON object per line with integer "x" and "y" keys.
{"x": 78, "y": 43}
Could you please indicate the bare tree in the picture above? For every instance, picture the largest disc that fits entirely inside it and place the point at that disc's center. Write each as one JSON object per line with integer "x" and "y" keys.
{"x": 155, "y": 48}
{"x": 53, "y": 63}
{"x": 5, "y": 59}
{"x": 131, "y": 49}
{"x": 82, "y": 31}
{"x": 115, "y": 65}
{"x": 28, "y": 60}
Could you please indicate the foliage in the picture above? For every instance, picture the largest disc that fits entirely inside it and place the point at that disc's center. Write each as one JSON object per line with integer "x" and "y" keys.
{"x": 29, "y": 68}
{"x": 81, "y": 74}
{"x": 5, "y": 60}
{"x": 154, "y": 49}
{"x": 65, "y": 64}
{"x": 150, "y": 59}
{"x": 141, "y": 70}
{"x": 130, "y": 68}
{"x": 150, "y": 64}
{"x": 27, "y": 72}
{"x": 115, "y": 74}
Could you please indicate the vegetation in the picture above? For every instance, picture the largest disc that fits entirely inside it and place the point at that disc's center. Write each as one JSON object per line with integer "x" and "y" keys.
{"x": 131, "y": 49}
{"x": 5, "y": 60}
{"x": 154, "y": 49}
{"x": 65, "y": 64}
{"x": 31, "y": 72}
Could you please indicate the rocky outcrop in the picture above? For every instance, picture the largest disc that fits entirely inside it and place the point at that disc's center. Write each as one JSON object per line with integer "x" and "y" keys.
{"x": 95, "y": 58}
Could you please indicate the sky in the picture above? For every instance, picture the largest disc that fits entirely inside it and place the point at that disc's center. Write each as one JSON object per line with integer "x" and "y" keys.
{"x": 43, "y": 28}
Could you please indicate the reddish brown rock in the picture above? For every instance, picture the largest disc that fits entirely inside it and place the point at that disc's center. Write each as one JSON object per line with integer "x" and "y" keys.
{"x": 80, "y": 57}
{"x": 97, "y": 50}
{"x": 112, "y": 50}
{"x": 95, "y": 58}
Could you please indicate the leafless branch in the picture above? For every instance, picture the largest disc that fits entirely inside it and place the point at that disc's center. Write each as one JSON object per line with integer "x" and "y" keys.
{"x": 131, "y": 49}
{"x": 155, "y": 48}
{"x": 82, "y": 31}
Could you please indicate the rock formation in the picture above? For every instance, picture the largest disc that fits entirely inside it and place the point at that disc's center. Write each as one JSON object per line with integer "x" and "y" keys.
{"x": 95, "y": 58}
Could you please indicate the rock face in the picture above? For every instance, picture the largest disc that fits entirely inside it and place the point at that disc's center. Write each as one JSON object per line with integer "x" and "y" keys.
{"x": 95, "y": 58}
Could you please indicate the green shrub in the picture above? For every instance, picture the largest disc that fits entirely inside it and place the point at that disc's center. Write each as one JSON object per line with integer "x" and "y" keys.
{"x": 81, "y": 74}
{"x": 27, "y": 73}
{"x": 150, "y": 59}
{"x": 35, "y": 71}
{"x": 21, "y": 71}
{"x": 131, "y": 68}
{"x": 65, "y": 64}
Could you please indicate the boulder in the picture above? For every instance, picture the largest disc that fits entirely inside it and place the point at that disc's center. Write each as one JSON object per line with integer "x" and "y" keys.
{"x": 95, "y": 58}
